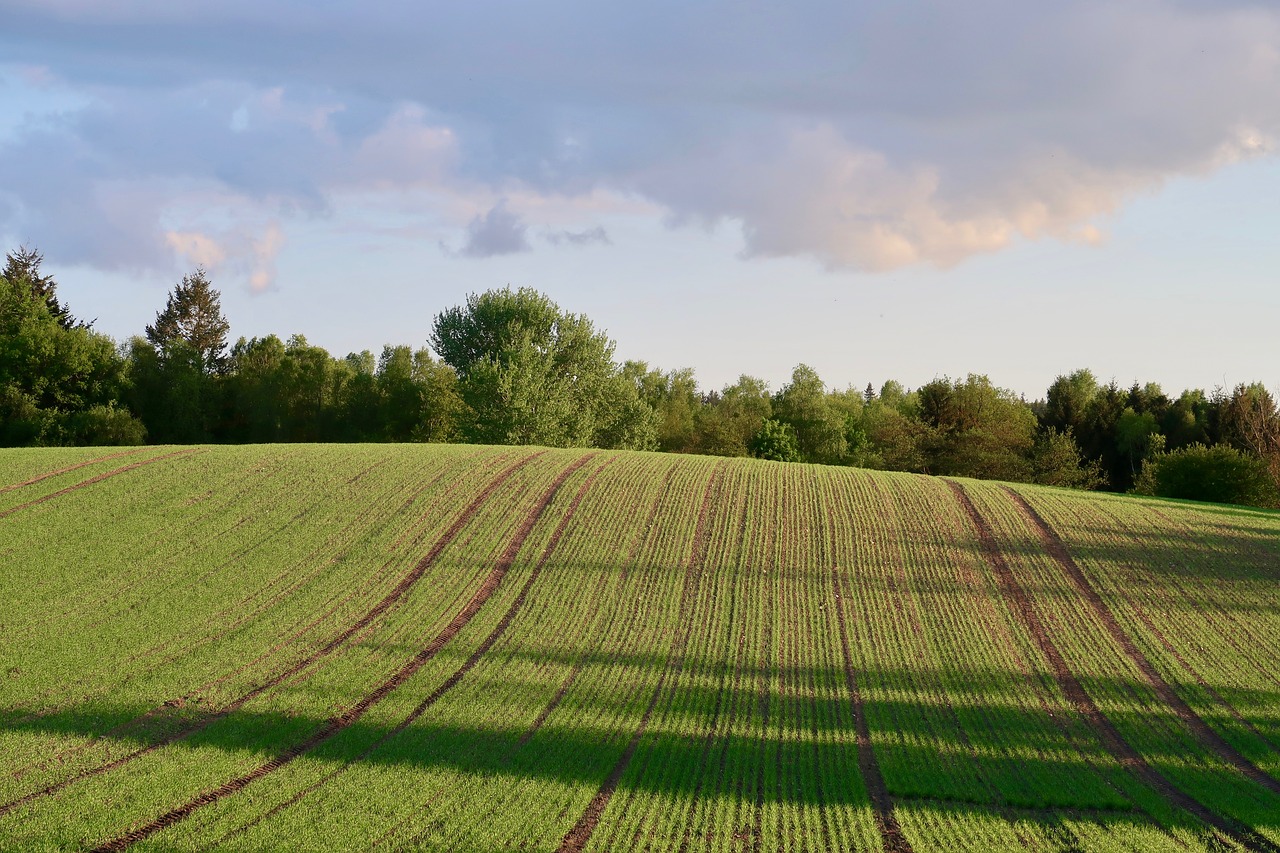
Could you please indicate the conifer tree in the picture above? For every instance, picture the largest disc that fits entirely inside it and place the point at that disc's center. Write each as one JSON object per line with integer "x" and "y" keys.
{"x": 193, "y": 317}
{"x": 23, "y": 267}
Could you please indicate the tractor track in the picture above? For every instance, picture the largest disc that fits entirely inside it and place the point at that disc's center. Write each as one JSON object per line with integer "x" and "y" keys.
{"x": 96, "y": 479}
{"x": 67, "y": 470}
{"x": 1208, "y": 738}
{"x": 1070, "y": 685}
{"x": 452, "y": 681}
{"x": 397, "y": 593}
{"x": 345, "y": 720}
{"x": 577, "y": 838}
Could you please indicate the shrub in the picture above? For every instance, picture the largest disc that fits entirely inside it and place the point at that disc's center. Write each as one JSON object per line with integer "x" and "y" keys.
{"x": 1220, "y": 474}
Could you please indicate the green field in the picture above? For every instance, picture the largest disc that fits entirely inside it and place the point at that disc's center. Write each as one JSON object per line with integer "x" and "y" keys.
{"x": 294, "y": 647}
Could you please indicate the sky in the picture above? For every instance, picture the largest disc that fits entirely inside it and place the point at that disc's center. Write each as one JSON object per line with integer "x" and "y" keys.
{"x": 901, "y": 190}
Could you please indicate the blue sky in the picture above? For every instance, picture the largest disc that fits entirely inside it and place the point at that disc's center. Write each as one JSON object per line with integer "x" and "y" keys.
{"x": 900, "y": 190}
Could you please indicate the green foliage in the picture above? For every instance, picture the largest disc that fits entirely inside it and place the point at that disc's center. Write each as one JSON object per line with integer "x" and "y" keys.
{"x": 1218, "y": 474}
{"x": 1068, "y": 399}
{"x": 819, "y": 424}
{"x": 49, "y": 370}
{"x": 532, "y": 374}
{"x": 975, "y": 429}
{"x": 192, "y": 320}
{"x": 673, "y": 398}
{"x": 776, "y": 441}
{"x": 22, "y": 267}
{"x": 1138, "y": 437}
{"x": 1056, "y": 461}
{"x": 728, "y": 422}
{"x": 174, "y": 397}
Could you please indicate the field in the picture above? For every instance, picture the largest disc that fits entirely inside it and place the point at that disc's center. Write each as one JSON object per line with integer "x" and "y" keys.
{"x": 473, "y": 648}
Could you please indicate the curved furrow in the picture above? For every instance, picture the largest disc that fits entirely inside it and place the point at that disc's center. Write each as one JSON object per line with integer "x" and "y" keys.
{"x": 245, "y": 615}
{"x": 1071, "y": 687}
{"x": 96, "y": 479}
{"x": 577, "y": 838}
{"x": 470, "y": 663}
{"x": 343, "y": 721}
{"x": 68, "y": 469}
{"x": 297, "y": 667}
{"x": 1208, "y": 738}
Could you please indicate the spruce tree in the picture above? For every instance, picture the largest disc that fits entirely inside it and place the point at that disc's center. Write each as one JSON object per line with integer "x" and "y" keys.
{"x": 193, "y": 317}
{"x": 23, "y": 266}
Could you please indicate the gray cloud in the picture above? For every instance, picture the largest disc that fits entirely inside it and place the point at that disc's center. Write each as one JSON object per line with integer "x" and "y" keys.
{"x": 866, "y": 135}
{"x": 585, "y": 237}
{"x": 498, "y": 232}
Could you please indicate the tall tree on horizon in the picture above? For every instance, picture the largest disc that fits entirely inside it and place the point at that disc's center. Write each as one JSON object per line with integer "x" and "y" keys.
{"x": 193, "y": 316}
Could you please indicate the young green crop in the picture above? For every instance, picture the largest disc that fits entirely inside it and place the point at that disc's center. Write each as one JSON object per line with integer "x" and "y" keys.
{"x": 469, "y": 648}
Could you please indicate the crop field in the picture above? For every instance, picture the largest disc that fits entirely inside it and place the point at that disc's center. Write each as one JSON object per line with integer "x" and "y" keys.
{"x": 383, "y": 647}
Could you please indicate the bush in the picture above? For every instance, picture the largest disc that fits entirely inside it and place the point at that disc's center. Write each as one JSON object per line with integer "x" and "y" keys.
{"x": 105, "y": 426}
{"x": 1219, "y": 474}
{"x": 776, "y": 441}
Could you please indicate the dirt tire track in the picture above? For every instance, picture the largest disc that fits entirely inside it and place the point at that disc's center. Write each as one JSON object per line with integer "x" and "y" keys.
{"x": 141, "y": 720}
{"x": 484, "y": 647}
{"x": 1207, "y": 737}
{"x": 577, "y": 668}
{"x": 574, "y": 672}
{"x": 1199, "y": 679}
{"x": 245, "y": 611}
{"x": 577, "y": 838}
{"x": 67, "y": 470}
{"x": 397, "y": 593}
{"x": 1111, "y": 739}
{"x": 343, "y": 721}
{"x": 97, "y": 479}
{"x": 881, "y": 801}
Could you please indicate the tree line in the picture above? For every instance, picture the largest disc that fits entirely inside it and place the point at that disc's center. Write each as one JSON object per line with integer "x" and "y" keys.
{"x": 512, "y": 367}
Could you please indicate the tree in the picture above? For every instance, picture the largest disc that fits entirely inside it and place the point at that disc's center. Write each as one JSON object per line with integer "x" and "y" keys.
{"x": 727, "y": 422}
{"x": 254, "y": 390}
{"x": 1138, "y": 438}
{"x": 193, "y": 315}
{"x": 1220, "y": 474}
{"x": 775, "y": 441}
{"x": 530, "y": 373}
{"x": 819, "y": 425}
{"x": 673, "y": 397}
{"x": 52, "y": 375}
{"x": 1068, "y": 400}
{"x": 1056, "y": 461}
{"x": 1253, "y": 424}
{"x": 22, "y": 267}
{"x": 976, "y": 429}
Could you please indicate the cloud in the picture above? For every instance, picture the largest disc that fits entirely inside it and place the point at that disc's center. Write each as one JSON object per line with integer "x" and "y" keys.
{"x": 869, "y": 136}
{"x": 241, "y": 251}
{"x": 498, "y": 232}
{"x": 585, "y": 237}
{"x": 199, "y": 249}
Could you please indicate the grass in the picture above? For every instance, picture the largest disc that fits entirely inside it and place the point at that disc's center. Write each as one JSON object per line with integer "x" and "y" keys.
{"x": 470, "y": 648}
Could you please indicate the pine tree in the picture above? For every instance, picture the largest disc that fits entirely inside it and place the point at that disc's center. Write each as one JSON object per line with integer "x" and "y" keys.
{"x": 23, "y": 266}
{"x": 193, "y": 317}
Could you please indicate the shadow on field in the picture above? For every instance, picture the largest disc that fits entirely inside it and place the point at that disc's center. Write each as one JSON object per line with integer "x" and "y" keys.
{"x": 958, "y": 732}
{"x": 995, "y": 754}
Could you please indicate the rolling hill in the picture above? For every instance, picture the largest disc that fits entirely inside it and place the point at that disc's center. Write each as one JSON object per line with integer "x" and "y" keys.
{"x": 316, "y": 647}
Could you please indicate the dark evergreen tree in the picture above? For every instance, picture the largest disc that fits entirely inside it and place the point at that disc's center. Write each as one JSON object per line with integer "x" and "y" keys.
{"x": 22, "y": 267}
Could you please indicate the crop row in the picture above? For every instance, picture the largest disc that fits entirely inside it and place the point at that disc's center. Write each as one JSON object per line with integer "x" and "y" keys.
{"x": 473, "y": 648}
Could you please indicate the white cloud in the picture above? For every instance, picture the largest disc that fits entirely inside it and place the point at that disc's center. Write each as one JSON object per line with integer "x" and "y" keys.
{"x": 869, "y": 136}
{"x": 196, "y": 248}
